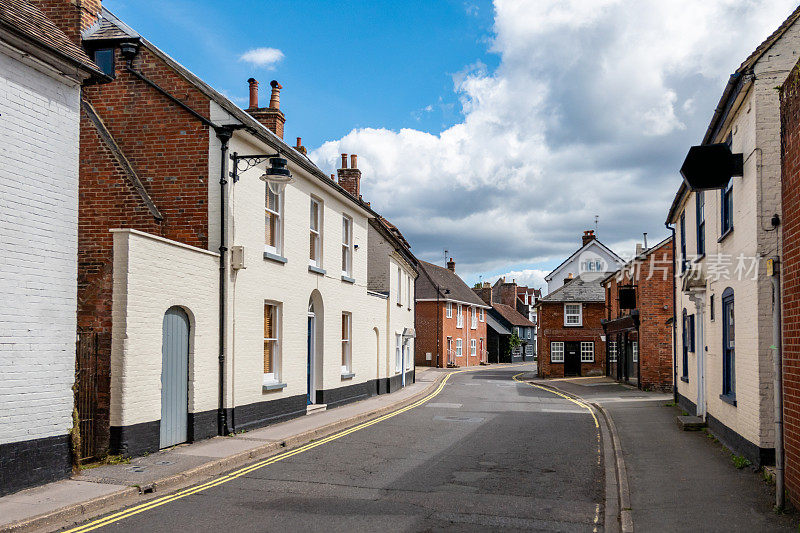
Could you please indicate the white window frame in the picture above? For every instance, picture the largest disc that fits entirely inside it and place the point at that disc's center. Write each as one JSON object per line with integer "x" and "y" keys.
{"x": 398, "y": 346}
{"x": 449, "y": 309}
{"x": 568, "y": 315}
{"x": 587, "y": 352}
{"x": 409, "y": 290}
{"x": 529, "y": 349}
{"x": 556, "y": 352}
{"x": 474, "y": 317}
{"x": 635, "y": 351}
{"x": 483, "y": 315}
{"x": 460, "y": 316}
{"x": 347, "y": 343}
{"x": 409, "y": 350}
{"x": 473, "y": 347}
{"x": 278, "y": 214}
{"x": 275, "y": 364}
{"x": 347, "y": 246}
{"x": 399, "y": 285}
{"x": 612, "y": 351}
{"x": 315, "y": 234}
{"x": 458, "y": 347}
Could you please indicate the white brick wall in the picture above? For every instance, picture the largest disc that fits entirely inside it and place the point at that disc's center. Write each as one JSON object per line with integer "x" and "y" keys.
{"x": 38, "y": 250}
{"x": 152, "y": 274}
{"x": 755, "y": 126}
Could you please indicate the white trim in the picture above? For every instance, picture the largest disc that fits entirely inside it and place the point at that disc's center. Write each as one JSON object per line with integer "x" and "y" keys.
{"x": 162, "y": 239}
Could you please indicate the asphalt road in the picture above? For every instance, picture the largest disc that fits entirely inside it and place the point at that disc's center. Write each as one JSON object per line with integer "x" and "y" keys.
{"x": 487, "y": 453}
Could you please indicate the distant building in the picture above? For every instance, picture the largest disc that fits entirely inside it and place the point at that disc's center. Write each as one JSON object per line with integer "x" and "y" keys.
{"x": 570, "y": 333}
{"x": 638, "y": 319}
{"x": 450, "y": 319}
{"x": 502, "y": 322}
{"x": 592, "y": 257}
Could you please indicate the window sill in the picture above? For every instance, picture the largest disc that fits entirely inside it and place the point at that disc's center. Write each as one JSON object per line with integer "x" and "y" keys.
{"x": 272, "y": 386}
{"x": 725, "y": 235}
{"x": 573, "y": 325}
{"x": 316, "y": 270}
{"x": 274, "y": 257}
{"x": 349, "y": 375}
{"x": 728, "y": 398}
{"x": 684, "y": 379}
{"x": 348, "y": 279}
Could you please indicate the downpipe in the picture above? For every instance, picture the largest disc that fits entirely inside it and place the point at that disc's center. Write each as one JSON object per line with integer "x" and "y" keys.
{"x": 777, "y": 362}
{"x": 224, "y": 135}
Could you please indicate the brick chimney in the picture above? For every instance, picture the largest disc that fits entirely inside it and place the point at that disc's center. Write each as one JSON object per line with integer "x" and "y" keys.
{"x": 300, "y": 148}
{"x": 272, "y": 117}
{"x": 484, "y": 292}
{"x": 508, "y": 294}
{"x": 350, "y": 178}
{"x": 588, "y": 235}
{"x": 451, "y": 265}
{"x": 71, "y": 16}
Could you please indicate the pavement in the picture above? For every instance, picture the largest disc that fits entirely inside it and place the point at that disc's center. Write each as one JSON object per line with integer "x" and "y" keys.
{"x": 99, "y": 489}
{"x": 679, "y": 480}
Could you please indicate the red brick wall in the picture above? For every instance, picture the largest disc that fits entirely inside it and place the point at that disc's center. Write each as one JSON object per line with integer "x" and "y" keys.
{"x": 790, "y": 151}
{"x": 653, "y": 280}
{"x": 551, "y": 329}
{"x": 428, "y": 332}
{"x": 168, "y": 148}
{"x": 71, "y": 16}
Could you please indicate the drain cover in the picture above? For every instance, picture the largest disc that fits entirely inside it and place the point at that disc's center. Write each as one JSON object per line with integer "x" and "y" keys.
{"x": 468, "y": 419}
{"x": 136, "y": 468}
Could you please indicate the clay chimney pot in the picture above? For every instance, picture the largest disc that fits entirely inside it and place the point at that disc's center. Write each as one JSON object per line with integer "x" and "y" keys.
{"x": 344, "y": 160}
{"x": 275, "y": 97}
{"x": 253, "y": 93}
{"x": 353, "y": 161}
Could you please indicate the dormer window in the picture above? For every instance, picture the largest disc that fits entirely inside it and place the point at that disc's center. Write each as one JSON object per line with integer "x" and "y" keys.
{"x": 104, "y": 58}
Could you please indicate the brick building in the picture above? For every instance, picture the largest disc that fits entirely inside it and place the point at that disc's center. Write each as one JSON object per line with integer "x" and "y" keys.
{"x": 790, "y": 272}
{"x": 570, "y": 331}
{"x": 178, "y": 236}
{"x": 638, "y": 319}
{"x": 450, "y": 319}
{"x": 723, "y": 293}
{"x": 503, "y": 320}
{"x": 41, "y": 75}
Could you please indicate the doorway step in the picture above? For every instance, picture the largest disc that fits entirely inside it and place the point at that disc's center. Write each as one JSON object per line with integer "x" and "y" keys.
{"x": 691, "y": 423}
{"x": 316, "y": 408}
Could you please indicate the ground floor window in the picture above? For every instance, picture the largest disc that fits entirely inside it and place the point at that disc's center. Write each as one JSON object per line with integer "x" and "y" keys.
{"x": 556, "y": 352}
{"x": 409, "y": 350}
{"x": 587, "y": 352}
{"x": 612, "y": 351}
{"x": 271, "y": 342}
{"x": 347, "y": 325}
{"x": 473, "y": 347}
{"x": 635, "y": 351}
{"x": 728, "y": 352}
{"x": 398, "y": 357}
{"x": 458, "y": 347}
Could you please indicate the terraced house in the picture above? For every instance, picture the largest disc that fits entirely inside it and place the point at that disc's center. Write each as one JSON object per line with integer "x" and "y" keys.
{"x": 224, "y": 279}
{"x": 723, "y": 292}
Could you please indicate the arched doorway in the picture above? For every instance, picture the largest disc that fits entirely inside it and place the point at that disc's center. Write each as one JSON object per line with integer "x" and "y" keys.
{"x": 174, "y": 377}
{"x": 316, "y": 320}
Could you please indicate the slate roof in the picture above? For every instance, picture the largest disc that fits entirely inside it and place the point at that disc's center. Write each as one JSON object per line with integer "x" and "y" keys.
{"x": 108, "y": 26}
{"x": 579, "y": 290}
{"x": 433, "y": 275}
{"x": 496, "y": 325}
{"x": 512, "y": 316}
{"x": 28, "y": 22}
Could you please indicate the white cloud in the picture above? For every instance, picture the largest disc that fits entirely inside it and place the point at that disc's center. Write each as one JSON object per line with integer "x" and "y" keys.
{"x": 529, "y": 277}
{"x": 590, "y": 112}
{"x": 263, "y": 57}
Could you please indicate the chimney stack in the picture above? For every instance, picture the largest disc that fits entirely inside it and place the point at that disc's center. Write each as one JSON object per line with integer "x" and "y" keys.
{"x": 350, "y": 178}
{"x": 272, "y": 117}
{"x": 484, "y": 292}
{"x": 71, "y": 17}
{"x": 300, "y": 148}
{"x": 568, "y": 278}
{"x": 508, "y": 293}
{"x": 451, "y": 265}
{"x": 588, "y": 235}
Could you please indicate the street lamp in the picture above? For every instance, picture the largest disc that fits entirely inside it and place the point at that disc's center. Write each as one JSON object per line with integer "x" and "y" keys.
{"x": 277, "y": 176}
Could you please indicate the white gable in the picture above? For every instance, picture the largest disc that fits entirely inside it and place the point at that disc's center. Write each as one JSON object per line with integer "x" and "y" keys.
{"x": 593, "y": 257}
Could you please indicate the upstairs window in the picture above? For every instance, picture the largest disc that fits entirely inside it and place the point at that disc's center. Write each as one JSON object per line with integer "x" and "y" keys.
{"x": 474, "y": 318}
{"x": 273, "y": 218}
{"x": 483, "y": 316}
{"x": 683, "y": 242}
{"x": 449, "y": 309}
{"x": 399, "y": 286}
{"x": 409, "y": 291}
{"x": 347, "y": 246}
{"x": 572, "y": 315}
{"x": 315, "y": 227}
{"x": 460, "y": 317}
{"x": 700, "y": 203}
{"x": 726, "y": 209}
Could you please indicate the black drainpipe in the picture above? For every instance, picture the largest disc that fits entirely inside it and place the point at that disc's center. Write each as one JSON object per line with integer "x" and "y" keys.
{"x": 674, "y": 320}
{"x": 224, "y": 135}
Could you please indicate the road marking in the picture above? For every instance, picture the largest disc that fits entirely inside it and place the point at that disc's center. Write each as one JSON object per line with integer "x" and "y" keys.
{"x": 596, "y": 425}
{"x": 116, "y": 517}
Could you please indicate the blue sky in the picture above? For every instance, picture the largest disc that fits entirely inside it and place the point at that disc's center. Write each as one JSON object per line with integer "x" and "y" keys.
{"x": 372, "y": 63}
{"x": 495, "y": 130}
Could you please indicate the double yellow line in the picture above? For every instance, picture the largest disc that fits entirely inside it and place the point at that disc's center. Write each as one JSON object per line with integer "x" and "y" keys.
{"x": 558, "y": 393}
{"x": 116, "y": 517}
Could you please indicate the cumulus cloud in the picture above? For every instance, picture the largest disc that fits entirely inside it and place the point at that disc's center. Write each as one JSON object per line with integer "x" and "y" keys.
{"x": 528, "y": 277}
{"x": 262, "y": 57}
{"x": 589, "y": 112}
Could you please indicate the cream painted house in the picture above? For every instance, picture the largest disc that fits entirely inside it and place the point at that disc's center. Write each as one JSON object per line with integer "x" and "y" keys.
{"x": 723, "y": 296}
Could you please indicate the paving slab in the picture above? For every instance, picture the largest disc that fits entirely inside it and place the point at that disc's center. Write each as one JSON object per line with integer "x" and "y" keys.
{"x": 53, "y": 495}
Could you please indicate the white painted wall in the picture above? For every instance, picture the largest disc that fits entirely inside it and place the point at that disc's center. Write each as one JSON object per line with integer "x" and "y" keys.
{"x": 152, "y": 274}
{"x": 38, "y": 249}
{"x": 592, "y": 251}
